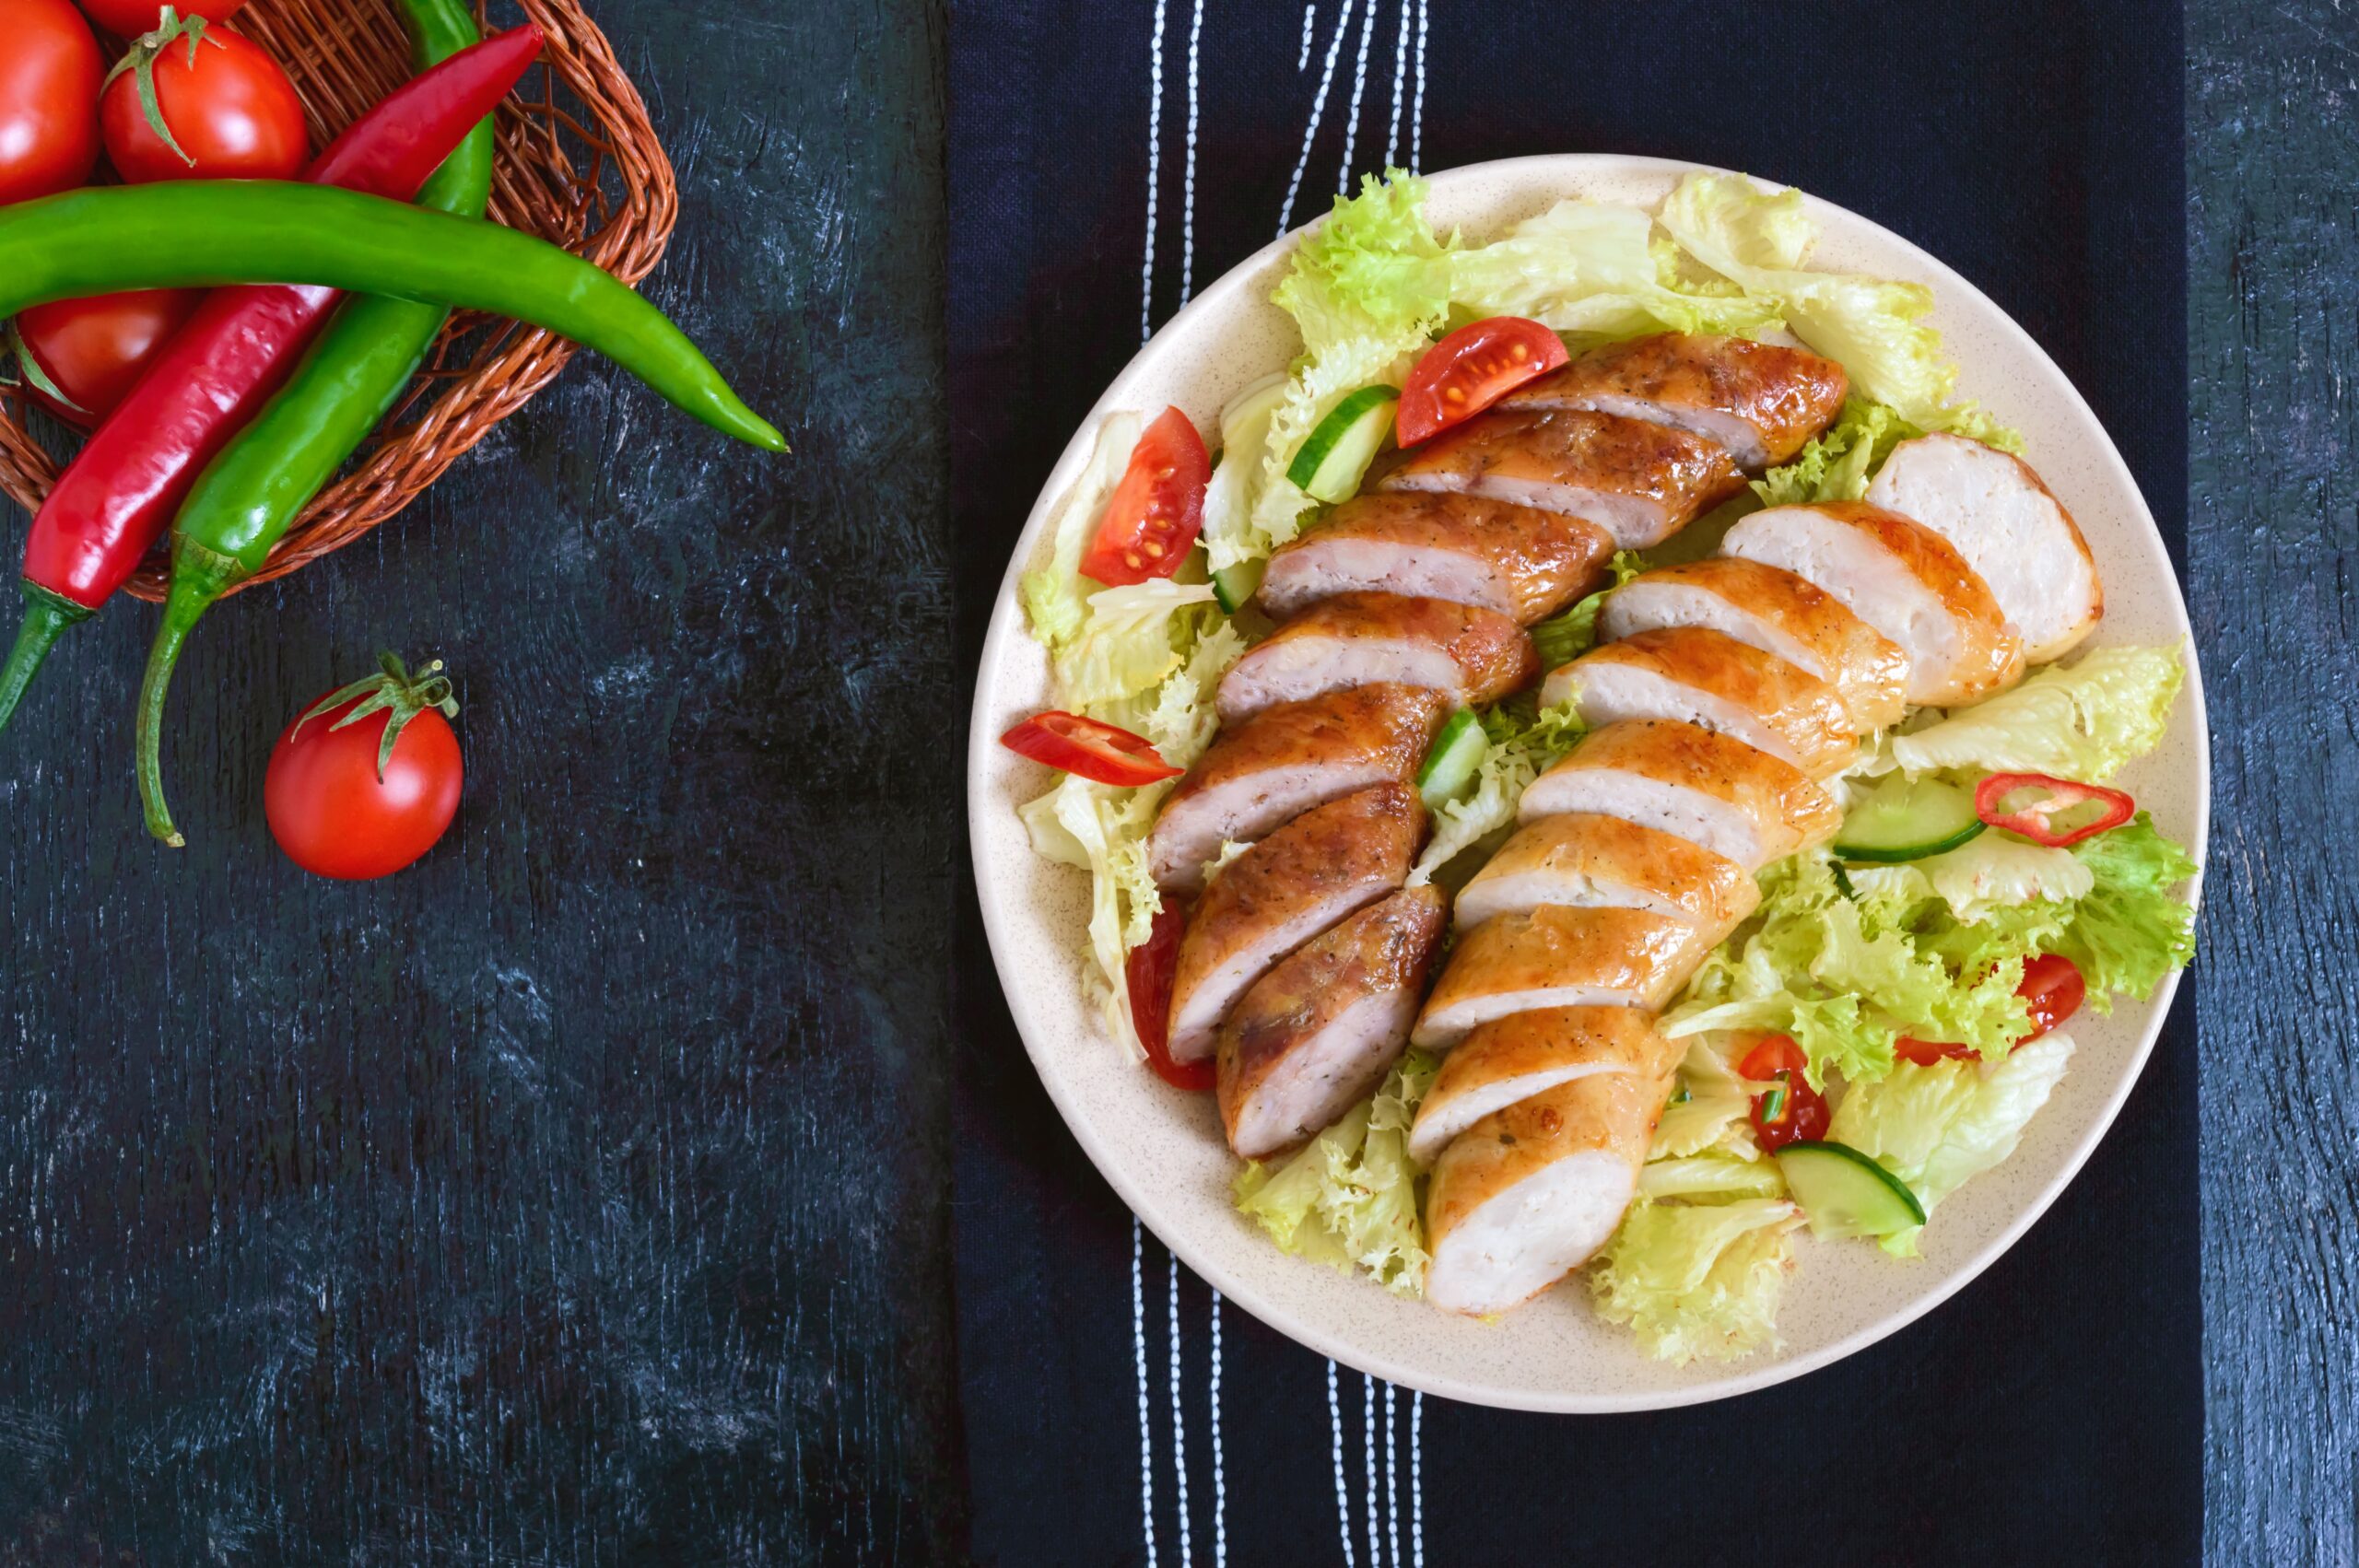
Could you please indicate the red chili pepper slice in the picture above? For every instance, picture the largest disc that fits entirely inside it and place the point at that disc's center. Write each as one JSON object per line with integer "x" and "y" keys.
{"x": 1102, "y": 753}
{"x": 1149, "y": 973}
{"x": 2035, "y": 820}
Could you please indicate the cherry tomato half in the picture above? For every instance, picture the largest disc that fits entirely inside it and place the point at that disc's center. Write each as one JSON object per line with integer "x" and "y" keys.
{"x": 1471, "y": 369}
{"x": 94, "y": 350}
{"x": 1157, "y": 509}
{"x": 49, "y": 72}
{"x": 1792, "y": 1112}
{"x": 130, "y": 19}
{"x": 1103, "y": 754}
{"x": 1149, "y": 972}
{"x": 2052, "y": 986}
{"x": 337, "y": 803}
{"x": 229, "y": 107}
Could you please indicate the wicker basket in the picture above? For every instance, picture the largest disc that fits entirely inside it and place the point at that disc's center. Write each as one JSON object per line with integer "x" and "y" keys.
{"x": 578, "y": 165}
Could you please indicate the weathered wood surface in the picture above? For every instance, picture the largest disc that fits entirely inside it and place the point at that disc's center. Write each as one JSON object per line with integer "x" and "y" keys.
{"x": 2273, "y": 345}
{"x": 577, "y": 1196}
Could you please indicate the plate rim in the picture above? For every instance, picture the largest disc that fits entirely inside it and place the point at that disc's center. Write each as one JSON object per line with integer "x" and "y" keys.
{"x": 1005, "y": 622}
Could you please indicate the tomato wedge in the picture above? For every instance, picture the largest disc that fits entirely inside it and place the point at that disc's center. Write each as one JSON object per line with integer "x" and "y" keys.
{"x": 2038, "y": 818}
{"x": 1100, "y": 752}
{"x": 1157, "y": 509}
{"x": 2052, "y": 985}
{"x": 1149, "y": 973}
{"x": 1792, "y": 1112}
{"x": 1471, "y": 369}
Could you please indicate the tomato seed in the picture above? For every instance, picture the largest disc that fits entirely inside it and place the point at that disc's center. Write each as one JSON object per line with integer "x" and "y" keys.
{"x": 1520, "y": 353}
{"x": 1154, "y": 550}
{"x": 1455, "y": 395}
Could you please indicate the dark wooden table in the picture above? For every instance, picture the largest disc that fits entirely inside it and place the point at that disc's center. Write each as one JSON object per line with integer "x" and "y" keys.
{"x": 579, "y": 1196}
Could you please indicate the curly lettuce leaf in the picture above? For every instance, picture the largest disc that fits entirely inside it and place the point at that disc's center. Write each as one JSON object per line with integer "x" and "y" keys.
{"x": 1935, "y": 1127}
{"x": 1103, "y": 830}
{"x": 2130, "y": 928}
{"x": 1518, "y": 750}
{"x": 1594, "y": 271}
{"x": 1349, "y": 1198}
{"x": 1874, "y": 327}
{"x": 1131, "y": 640}
{"x": 1712, "y": 1117}
{"x": 1566, "y": 637}
{"x": 2083, "y": 721}
{"x": 1697, "y": 1280}
{"x": 1837, "y": 465}
{"x": 1997, "y": 870}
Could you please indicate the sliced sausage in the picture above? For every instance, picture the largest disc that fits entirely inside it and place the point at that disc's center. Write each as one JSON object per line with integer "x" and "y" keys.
{"x": 1525, "y": 564}
{"x": 1703, "y": 677}
{"x": 1524, "y": 1054}
{"x": 1761, "y": 401}
{"x": 1287, "y": 888}
{"x": 1557, "y": 957}
{"x": 1903, "y": 579}
{"x": 1708, "y": 789}
{"x": 1468, "y": 655}
{"x": 1639, "y": 481}
{"x": 1524, "y": 1196}
{"x": 1580, "y": 860}
{"x": 1317, "y": 1034}
{"x": 1282, "y": 762}
{"x": 1994, "y": 509}
{"x": 1777, "y": 613}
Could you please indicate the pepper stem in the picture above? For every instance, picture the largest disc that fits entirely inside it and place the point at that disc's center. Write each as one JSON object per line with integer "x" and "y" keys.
{"x": 200, "y": 575}
{"x": 47, "y": 615}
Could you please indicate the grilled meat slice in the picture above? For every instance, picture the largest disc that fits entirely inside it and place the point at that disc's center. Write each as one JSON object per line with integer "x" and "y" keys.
{"x": 1710, "y": 789}
{"x": 1580, "y": 860}
{"x": 1761, "y": 401}
{"x": 1703, "y": 677}
{"x": 1525, "y": 564}
{"x": 1469, "y": 655}
{"x": 1524, "y": 1054}
{"x": 1558, "y": 957}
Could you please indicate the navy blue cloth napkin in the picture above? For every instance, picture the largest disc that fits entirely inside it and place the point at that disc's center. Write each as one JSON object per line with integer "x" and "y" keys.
{"x": 2052, "y": 1410}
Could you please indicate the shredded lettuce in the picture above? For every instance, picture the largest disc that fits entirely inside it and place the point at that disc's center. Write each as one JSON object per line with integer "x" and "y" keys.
{"x": 1697, "y": 1280}
{"x": 1936, "y": 1126}
{"x": 2082, "y": 721}
{"x": 1874, "y": 327}
{"x": 1566, "y": 637}
{"x": 1349, "y": 1198}
{"x": 1594, "y": 270}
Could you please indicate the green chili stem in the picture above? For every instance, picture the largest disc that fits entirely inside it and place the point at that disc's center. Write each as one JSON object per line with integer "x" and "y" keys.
{"x": 47, "y": 615}
{"x": 199, "y": 576}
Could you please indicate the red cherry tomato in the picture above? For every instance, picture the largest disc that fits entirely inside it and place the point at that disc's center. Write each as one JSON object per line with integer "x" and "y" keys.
{"x": 343, "y": 806}
{"x": 229, "y": 107}
{"x": 1100, "y": 752}
{"x": 130, "y": 19}
{"x": 1793, "y": 1112}
{"x": 2052, "y": 985}
{"x": 93, "y": 350}
{"x": 49, "y": 72}
{"x": 1157, "y": 509}
{"x": 1148, "y": 973}
{"x": 1471, "y": 369}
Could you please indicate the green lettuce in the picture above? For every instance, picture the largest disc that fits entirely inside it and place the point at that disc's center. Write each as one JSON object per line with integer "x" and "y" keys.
{"x": 1520, "y": 748}
{"x": 1697, "y": 1280}
{"x": 1130, "y": 640}
{"x": 1712, "y": 1117}
{"x": 1936, "y": 1126}
{"x": 1596, "y": 272}
{"x": 1566, "y": 637}
{"x": 1103, "y": 830}
{"x": 2082, "y": 721}
{"x": 1349, "y": 1198}
{"x": 2130, "y": 928}
{"x": 1997, "y": 871}
{"x": 1056, "y": 596}
{"x": 1874, "y": 327}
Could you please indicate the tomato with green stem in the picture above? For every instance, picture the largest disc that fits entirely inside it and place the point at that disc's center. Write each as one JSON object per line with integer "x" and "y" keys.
{"x": 194, "y": 102}
{"x": 366, "y": 778}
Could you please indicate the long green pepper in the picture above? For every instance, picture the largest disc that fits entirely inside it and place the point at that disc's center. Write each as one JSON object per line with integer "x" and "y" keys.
{"x": 247, "y": 498}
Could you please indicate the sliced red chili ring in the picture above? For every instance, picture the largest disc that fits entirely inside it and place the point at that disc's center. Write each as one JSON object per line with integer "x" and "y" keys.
{"x": 1104, "y": 753}
{"x": 2038, "y": 820}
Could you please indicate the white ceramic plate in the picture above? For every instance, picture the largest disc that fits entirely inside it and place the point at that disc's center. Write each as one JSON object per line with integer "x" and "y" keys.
{"x": 1162, "y": 1150}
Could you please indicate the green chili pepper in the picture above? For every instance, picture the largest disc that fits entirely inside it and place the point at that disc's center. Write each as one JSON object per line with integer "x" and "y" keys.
{"x": 246, "y": 498}
{"x": 210, "y": 233}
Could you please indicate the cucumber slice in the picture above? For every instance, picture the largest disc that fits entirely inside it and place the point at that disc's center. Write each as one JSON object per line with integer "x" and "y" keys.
{"x": 1844, "y": 1193}
{"x": 1331, "y": 462}
{"x": 1457, "y": 752}
{"x": 1234, "y": 585}
{"x": 1907, "y": 819}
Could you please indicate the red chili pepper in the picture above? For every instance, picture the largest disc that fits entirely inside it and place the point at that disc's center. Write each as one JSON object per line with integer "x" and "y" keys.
{"x": 1149, "y": 972}
{"x": 116, "y": 499}
{"x": 1103, "y": 754}
{"x": 2036, "y": 821}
